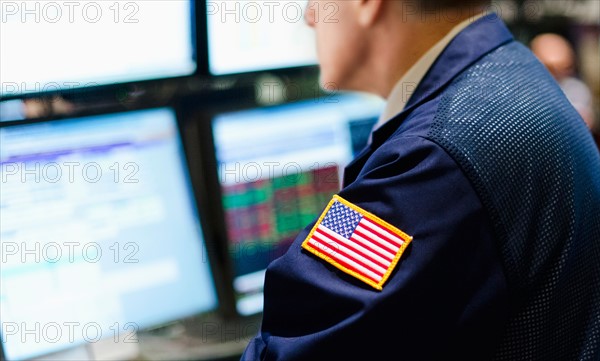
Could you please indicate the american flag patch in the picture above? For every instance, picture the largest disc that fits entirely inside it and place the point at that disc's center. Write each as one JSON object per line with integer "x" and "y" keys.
{"x": 357, "y": 242}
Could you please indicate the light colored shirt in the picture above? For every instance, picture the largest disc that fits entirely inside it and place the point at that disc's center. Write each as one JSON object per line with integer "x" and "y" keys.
{"x": 403, "y": 90}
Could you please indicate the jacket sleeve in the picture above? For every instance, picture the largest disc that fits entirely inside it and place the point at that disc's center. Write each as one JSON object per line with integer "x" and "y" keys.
{"x": 445, "y": 299}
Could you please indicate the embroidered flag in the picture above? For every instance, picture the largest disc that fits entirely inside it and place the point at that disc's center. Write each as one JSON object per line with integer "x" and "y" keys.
{"x": 357, "y": 242}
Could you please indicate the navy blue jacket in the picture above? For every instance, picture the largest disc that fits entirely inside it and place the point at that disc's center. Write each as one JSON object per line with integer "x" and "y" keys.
{"x": 496, "y": 178}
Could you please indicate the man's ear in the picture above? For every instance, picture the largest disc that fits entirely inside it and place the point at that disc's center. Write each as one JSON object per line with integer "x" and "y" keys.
{"x": 369, "y": 11}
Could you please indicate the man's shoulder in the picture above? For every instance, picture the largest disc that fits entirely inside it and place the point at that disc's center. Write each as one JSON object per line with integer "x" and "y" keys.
{"x": 506, "y": 81}
{"x": 505, "y": 111}
{"x": 507, "y": 101}
{"x": 509, "y": 79}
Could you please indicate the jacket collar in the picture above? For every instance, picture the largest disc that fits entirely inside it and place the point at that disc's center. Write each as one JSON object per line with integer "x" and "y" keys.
{"x": 478, "y": 39}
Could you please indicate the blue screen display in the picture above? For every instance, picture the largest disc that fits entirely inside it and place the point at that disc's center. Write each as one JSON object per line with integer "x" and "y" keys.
{"x": 99, "y": 231}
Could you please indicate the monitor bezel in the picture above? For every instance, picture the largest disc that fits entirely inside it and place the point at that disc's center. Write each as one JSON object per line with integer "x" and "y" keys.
{"x": 203, "y": 119}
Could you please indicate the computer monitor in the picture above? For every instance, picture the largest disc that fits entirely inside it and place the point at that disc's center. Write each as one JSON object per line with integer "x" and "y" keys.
{"x": 253, "y": 36}
{"x": 278, "y": 167}
{"x": 100, "y": 231}
{"x": 48, "y": 46}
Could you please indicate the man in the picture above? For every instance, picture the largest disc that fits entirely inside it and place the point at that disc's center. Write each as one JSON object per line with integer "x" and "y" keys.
{"x": 557, "y": 54}
{"x": 468, "y": 228}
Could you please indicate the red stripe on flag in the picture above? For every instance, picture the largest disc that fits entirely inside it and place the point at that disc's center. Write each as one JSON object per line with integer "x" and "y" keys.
{"x": 345, "y": 254}
{"x": 381, "y": 252}
{"x": 377, "y": 232}
{"x": 371, "y": 247}
{"x": 341, "y": 262}
{"x": 374, "y": 241}
{"x": 355, "y": 249}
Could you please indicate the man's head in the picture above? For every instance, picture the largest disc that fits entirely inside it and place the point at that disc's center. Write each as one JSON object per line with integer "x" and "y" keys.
{"x": 556, "y": 53}
{"x": 368, "y": 45}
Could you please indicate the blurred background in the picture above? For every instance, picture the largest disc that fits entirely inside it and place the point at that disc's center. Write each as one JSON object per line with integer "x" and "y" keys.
{"x": 565, "y": 37}
{"x": 156, "y": 156}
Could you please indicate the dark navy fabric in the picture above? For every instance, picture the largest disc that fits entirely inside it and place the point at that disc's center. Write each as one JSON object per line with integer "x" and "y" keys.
{"x": 496, "y": 178}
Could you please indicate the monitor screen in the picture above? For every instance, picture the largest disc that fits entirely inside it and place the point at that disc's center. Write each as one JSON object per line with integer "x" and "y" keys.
{"x": 278, "y": 168}
{"x": 48, "y": 46}
{"x": 99, "y": 231}
{"x": 250, "y": 36}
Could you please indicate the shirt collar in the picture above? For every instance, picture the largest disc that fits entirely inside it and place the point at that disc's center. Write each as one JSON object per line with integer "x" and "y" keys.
{"x": 408, "y": 83}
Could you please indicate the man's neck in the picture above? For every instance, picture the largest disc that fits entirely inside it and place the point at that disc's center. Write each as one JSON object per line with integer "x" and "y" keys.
{"x": 412, "y": 39}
